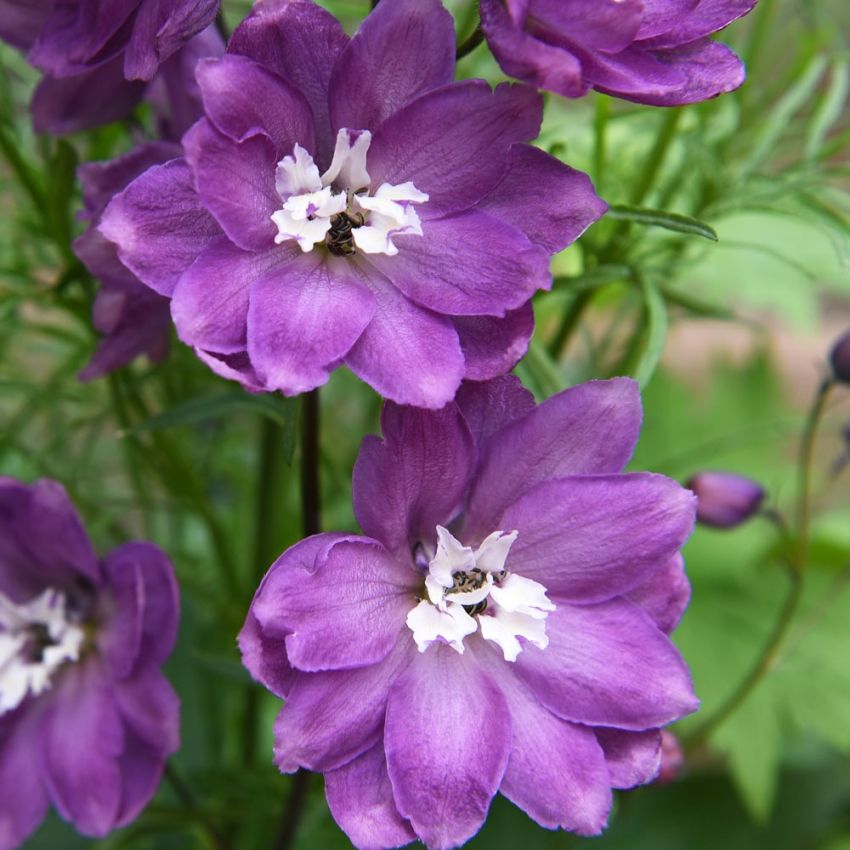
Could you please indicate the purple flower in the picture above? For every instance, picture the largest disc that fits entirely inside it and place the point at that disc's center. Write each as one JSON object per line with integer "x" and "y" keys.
{"x": 502, "y": 626}
{"x": 725, "y": 499}
{"x": 86, "y": 717}
{"x": 97, "y": 57}
{"x": 343, "y": 202}
{"x": 839, "y": 358}
{"x": 651, "y": 51}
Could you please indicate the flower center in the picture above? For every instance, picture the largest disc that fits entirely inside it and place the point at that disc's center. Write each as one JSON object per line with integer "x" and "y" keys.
{"x": 36, "y": 639}
{"x": 470, "y": 589}
{"x": 339, "y": 208}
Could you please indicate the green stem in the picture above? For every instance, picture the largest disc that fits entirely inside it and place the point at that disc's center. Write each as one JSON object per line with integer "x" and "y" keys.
{"x": 600, "y": 124}
{"x": 569, "y": 322}
{"x": 22, "y": 171}
{"x": 187, "y": 799}
{"x": 470, "y": 42}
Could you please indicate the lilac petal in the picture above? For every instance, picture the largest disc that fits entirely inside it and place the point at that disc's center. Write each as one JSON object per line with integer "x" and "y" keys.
{"x": 42, "y": 541}
{"x": 454, "y": 143}
{"x": 402, "y": 50}
{"x": 492, "y": 346}
{"x": 468, "y": 264}
{"x": 20, "y": 23}
{"x": 242, "y": 98}
{"x": 664, "y": 16}
{"x": 522, "y": 56}
{"x": 332, "y": 717}
{"x": 408, "y": 354}
{"x": 360, "y": 798}
{"x": 591, "y": 428}
{"x": 82, "y": 741}
{"x": 210, "y": 302}
{"x": 665, "y": 594}
{"x": 550, "y": 202}
{"x": 159, "y": 225}
{"x": 708, "y": 17}
{"x": 415, "y": 478}
{"x": 141, "y": 628}
{"x": 160, "y": 29}
{"x": 447, "y": 738}
{"x": 633, "y": 758}
{"x": 303, "y": 318}
{"x": 150, "y": 709}
{"x": 489, "y": 406}
{"x": 347, "y": 613}
{"x": 301, "y": 42}
{"x": 88, "y": 99}
{"x": 24, "y": 797}
{"x": 606, "y": 25}
{"x": 608, "y": 665}
{"x": 141, "y": 773}
{"x": 588, "y": 538}
{"x": 234, "y": 367}
{"x": 262, "y": 642}
{"x": 556, "y": 772}
{"x": 235, "y": 181}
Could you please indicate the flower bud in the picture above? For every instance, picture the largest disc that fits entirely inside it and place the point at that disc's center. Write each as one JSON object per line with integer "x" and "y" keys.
{"x": 725, "y": 500}
{"x": 672, "y": 758}
{"x": 839, "y": 358}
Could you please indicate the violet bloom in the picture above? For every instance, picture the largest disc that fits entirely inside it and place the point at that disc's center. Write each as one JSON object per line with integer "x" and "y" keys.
{"x": 725, "y": 499}
{"x": 651, "y": 51}
{"x": 131, "y": 318}
{"x": 344, "y": 202}
{"x": 86, "y": 717}
{"x": 97, "y": 57}
{"x": 501, "y": 627}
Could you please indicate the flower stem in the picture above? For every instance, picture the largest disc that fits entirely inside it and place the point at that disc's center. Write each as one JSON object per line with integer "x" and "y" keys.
{"x": 569, "y": 320}
{"x": 470, "y": 42}
{"x": 187, "y": 800}
{"x": 797, "y": 561}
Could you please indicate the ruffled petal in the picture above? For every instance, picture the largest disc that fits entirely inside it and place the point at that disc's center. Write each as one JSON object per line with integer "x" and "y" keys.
{"x": 492, "y": 346}
{"x": 490, "y": 406}
{"x": 665, "y": 594}
{"x": 633, "y": 758}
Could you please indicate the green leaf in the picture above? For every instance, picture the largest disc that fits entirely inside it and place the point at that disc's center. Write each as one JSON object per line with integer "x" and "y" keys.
{"x": 661, "y": 218}
{"x": 655, "y": 333}
{"x": 829, "y": 110}
{"x": 61, "y": 176}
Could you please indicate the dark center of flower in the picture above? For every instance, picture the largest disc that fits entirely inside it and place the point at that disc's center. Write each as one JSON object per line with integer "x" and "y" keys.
{"x": 340, "y": 237}
{"x": 37, "y": 640}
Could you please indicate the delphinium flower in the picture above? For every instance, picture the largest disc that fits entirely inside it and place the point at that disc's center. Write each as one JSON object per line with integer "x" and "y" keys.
{"x": 656, "y": 52}
{"x": 725, "y": 499}
{"x": 131, "y": 318}
{"x": 97, "y": 57}
{"x": 500, "y": 627}
{"x": 86, "y": 717}
{"x": 344, "y": 202}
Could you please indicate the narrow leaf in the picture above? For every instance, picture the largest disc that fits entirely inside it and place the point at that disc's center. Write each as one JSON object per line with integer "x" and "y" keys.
{"x": 661, "y": 218}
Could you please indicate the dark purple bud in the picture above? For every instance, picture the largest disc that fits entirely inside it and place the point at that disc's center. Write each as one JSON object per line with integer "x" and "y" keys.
{"x": 672, "y": 758}
{"x": 724, "y": 499}
{"x": 839, "y": 358}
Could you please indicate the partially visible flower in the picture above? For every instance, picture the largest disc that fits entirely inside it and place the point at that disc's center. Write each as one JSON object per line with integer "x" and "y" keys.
{"x": 132, "y": 318}
{"x": 347, "y": 203}
{"x": 725, "y": 499}
{"x": 839, "y": 358}
{"x": 502, "y": 626}
{"x": 97, "y": 58}
{"x": 672, "y": 757}
{"x": 87, "y": 719}
{"x": 656, "y": 52}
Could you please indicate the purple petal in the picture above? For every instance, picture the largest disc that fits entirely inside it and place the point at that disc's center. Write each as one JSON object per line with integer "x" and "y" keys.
{"x": 588, "y": 538}
{"x": 454, "y": 143}
{"x": 24, "y": 798}
{"x": 210, "y": 303}
{"x": 468, "y": 264}
{"x": 401, "y": 50}
{"x": 262, "y": 643}
{"x": 234, "y": 367}
{"x": 447, "y": 738}
{"x": 360, "y": 798}
{"x": 242, "y": 98}
{"x": 160, "y": 29}
{"x": 235, "y": 181}
{"x": 588, "y": 429}
{"x": 413, "y": 479}
{"x": 303, "y": 318}
{"x": 608, "y": 665}
{"x": 708, "y": 17}
{"x": 665, "y": 594}
{"x": 492, "y": 346}
{"x": 408, "y": 354}
{"x": 490, "y": 406}
{"x": 633, "y": 758}
{"x": 556, "y": 772}
{"x": 550, "y": 202}
{"x": 159, "y": 225}
{"x": 332, "y": 717}
{"x": 20, "y": 23}
{"x": 664, "y": 16}
{"x": 150, "y": 710}
{"x": 301, "y": 42}
{"x": 88, "y": 99}
{"x": 141, "y": 773}
{"x": 82, "y": 742}
{"x": 606, "y": 25}
{"x": 347, "y": 613}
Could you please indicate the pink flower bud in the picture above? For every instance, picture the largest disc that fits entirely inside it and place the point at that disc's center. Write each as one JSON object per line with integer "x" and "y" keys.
{"x": 725, "y": 500}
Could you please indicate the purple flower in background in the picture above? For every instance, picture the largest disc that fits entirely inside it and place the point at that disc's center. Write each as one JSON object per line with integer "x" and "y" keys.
{"x": 343, "y": 202}
{"x": 725, "y": 499}
{"x": 651, "y": 51}
{"x": 97, "y": 57}
{"x": 86, "y": 717}
{"x": 502, "y": 626}
{"x": 132, "y": 318}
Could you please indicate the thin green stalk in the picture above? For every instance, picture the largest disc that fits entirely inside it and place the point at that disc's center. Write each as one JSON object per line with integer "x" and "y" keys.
{"x": 22, "y": 171}
{"x": 470, "y": 43}
{"x": 187, "y": 799}
{"x": 600, "y": 125}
